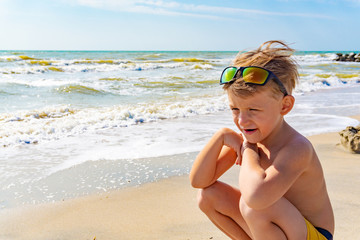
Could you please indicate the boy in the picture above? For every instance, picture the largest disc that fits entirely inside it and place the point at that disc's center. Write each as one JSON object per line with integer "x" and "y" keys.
{"x": 282, "y": 192}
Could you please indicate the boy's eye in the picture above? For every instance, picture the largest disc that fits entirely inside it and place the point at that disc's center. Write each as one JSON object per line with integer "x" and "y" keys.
{"x": 234, "y": 109}
{"x": 253, "y": 109}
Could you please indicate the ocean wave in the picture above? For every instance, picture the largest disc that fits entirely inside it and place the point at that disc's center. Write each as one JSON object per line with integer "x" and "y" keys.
{"x": 173, "y": 86}
{"x": 30, "y": 64}
{"x": 52, "y": 123}
{"x": 197, "y": 60}
{"x": 116, "y": 86}
{"x": 42, "y": 62}
{"x": 115, "y": 82}
{"x": 112, "y": 79}
{"x": 99, "y": 61}
{"x": 201, "y": 67}
{"x": 313, "y": 82}
{"x": 5, "y": 93}
{"x": 78, "y": 89}
{"x": 12, "y": 58}
{"x": 45, "y": 66}
{"x": 309, "y": 59}
{"x": 321, "y": 123}
{"x": 150, "y": 56}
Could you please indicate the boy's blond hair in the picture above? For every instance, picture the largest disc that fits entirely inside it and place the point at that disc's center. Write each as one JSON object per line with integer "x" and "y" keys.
{"x": 271, "y": 55}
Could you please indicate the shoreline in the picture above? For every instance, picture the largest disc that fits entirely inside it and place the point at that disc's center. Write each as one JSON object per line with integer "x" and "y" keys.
{"x": 167, "y": 209}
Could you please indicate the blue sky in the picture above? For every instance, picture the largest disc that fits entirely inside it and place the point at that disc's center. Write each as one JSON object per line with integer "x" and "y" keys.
{"x": 178, "y": 24}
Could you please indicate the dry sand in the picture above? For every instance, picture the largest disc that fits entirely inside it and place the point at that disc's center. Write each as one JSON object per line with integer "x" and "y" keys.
{"x": 167, "y": 209}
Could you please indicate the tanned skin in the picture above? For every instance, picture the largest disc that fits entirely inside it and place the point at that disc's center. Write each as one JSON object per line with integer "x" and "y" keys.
{"x": 281, "y": 180}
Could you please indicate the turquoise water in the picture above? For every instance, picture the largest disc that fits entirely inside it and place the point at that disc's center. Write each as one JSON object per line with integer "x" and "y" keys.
{"x": 99, "y": 89}
{"x": 65, "y": 109}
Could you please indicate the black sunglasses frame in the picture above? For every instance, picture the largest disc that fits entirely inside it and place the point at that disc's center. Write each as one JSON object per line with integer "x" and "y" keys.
{"x": 270, "y": 76}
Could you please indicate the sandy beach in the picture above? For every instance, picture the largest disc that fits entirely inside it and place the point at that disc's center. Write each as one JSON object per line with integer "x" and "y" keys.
{"x": 167, "y": 209}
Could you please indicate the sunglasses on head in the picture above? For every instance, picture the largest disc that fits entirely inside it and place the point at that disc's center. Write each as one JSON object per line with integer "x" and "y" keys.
{"x": 251, "y": 74}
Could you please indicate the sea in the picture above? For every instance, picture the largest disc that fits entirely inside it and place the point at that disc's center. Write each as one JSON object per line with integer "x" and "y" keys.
{"x": 74, "y": 123}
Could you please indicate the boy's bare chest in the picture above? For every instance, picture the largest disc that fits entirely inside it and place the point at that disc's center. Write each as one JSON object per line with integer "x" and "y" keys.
{"x": 266, "y": 159}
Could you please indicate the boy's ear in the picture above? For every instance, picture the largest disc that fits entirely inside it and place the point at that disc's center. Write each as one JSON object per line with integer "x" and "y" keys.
{"x": 287, "y": 104}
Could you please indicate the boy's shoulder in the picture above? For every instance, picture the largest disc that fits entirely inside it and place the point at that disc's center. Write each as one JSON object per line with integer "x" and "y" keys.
{"x": 299, "y": 141}
{"x": 298, "y": 148}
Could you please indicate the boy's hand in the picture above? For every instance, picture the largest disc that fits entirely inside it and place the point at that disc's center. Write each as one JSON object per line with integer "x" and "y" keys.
{"x": 233, "y": 140}
{"x": 246, "y": 145}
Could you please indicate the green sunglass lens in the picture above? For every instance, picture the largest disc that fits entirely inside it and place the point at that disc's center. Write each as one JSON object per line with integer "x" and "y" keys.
{"x": 228, "y": 75}
{"x": 255, "y": 75}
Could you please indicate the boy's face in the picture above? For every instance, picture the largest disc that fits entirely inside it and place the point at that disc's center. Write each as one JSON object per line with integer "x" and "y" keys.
{"x": 256, "y": 116}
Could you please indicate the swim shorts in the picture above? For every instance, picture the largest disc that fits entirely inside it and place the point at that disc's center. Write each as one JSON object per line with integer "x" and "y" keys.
{"x": 316, "y": 233}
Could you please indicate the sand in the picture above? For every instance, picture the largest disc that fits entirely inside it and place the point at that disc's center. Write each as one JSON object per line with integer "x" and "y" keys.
{"x": 167, "y": 209}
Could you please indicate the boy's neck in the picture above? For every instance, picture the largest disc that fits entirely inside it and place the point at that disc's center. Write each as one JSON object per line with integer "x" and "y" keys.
{"x": 277, "y": 136}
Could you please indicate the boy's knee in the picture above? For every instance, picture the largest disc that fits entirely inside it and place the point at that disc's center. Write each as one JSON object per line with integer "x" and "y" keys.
{"x": 253, "y": 216}
{"x": 248, "y": 213}
{"x": 205, "y": 198}
{"x": 201, "y": 200}
{"x": 244, "y": 208}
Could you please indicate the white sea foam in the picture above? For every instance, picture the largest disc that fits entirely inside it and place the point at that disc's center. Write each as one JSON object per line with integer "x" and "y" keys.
{"x": 319, "y": 123}
{"x": 49, "y": 124}
{"x": 311, "y": 59}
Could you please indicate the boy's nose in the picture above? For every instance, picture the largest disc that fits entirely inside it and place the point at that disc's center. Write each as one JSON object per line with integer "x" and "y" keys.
{"x": 243, "y": 119}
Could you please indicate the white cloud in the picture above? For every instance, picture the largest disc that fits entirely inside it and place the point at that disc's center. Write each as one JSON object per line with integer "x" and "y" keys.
{"x": 141, "y": 6}
{"x": 159, "y": 7}
{"x": 203, "y": 8}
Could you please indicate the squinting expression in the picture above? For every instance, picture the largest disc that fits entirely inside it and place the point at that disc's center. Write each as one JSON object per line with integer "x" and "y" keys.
{"x": 256, "y": 116}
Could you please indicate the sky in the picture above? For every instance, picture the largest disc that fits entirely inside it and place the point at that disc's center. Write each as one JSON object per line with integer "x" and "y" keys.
{"x": 178, "y": 25}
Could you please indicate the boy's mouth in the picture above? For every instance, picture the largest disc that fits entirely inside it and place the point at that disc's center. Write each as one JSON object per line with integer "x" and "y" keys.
{"x": 250, "y": 130}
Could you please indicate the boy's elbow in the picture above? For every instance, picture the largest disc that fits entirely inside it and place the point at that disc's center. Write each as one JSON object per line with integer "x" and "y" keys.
{"x": 197, "y": 183}
{"x": 193, "y": 181}
{"x": 256, "y": 201}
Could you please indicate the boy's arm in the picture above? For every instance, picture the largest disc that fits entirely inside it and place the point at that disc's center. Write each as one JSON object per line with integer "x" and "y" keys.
{"x": 260, "y": 187}
{"x": 217, "y": 157}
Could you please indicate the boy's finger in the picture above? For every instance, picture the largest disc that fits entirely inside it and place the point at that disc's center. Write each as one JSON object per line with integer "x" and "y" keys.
{"x": 238, "y": 159}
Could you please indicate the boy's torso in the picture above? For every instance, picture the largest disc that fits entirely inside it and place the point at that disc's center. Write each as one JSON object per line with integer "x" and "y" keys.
{"x": 308, "y": 193}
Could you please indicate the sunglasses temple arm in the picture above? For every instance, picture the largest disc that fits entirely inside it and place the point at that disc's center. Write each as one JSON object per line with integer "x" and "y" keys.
{"x": 281, "y": 85}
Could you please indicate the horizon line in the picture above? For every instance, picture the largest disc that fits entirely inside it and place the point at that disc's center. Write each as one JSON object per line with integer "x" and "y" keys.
{"x": 103, "y": 50}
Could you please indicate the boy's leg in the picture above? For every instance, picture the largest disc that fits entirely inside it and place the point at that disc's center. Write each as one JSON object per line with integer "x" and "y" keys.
{"x": 220, "y": 202}
{"x": 280, "y": 221}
